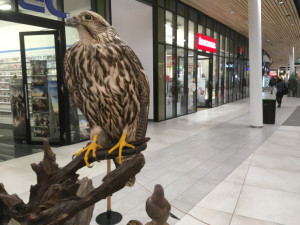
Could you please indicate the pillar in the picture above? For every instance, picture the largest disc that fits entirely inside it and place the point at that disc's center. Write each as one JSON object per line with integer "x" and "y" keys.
{"x": 255, "y": 62}
{"x": 292, "y": 59}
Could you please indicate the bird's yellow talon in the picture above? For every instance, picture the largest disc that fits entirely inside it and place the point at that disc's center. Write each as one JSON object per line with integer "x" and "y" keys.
{"x": 121, "y": 144}
{"x": 92, "y": 147}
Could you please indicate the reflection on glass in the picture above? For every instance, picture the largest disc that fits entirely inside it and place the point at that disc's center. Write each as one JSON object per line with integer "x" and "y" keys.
{"x": 180, "y": 31}
{"x": 226, "y": 82}
{"x": 200, "y": 29}
{"x": 215, "y": 81}
{"x": 181, "y": 98}
{"x": 216, "y": 36}
{"x": 202, "y": 80}
{"x": 161, "y": 25}
{"x": 221, "y": 48}
{"x": 221, "y": 81}
{"x": 226, "y": 46}
{"x": 208, "y": 33}
{"x": 169, "y": 28}
{"x": 161, "y": 83}
{"x": 170, "y": 82}
{"x": 191, "y": 84}
{"x": 191, "y": 35}
{"x": 42, "y": 87}
{"x": 5, "y": 5}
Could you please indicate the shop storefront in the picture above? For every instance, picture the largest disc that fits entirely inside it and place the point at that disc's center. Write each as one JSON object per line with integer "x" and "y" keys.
{"x": 34, "y": 103}
{"x": 191, "y": 61}
{"x": 199, "y": 62}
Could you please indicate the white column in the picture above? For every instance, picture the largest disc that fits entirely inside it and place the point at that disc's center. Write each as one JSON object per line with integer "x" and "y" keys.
{"x": 292, "y": 60}
{"x": 255, "y": 62}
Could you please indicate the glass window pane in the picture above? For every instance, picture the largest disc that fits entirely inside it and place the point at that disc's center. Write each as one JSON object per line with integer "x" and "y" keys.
{"x": 171, "y": 5}
{"x": 231, "y": 46}
{"x": 181, "y": 97}
{"x": 169, "y": 28}
{"x": 221, "y": 45}
{"x": 208, "y": 32}
{"x": 180, "y": 31}
{"x": 216, "y": 36}
{"x": 202, "y": 80}
{"x": 170, "y": 82}
{"x": 221, "y": 81}
{"x": 161, "y": 83}
{"x": 200, "y": 29}
{"x": 161, "y": 25}
{"x": 5, "y": 5}
{"x": 226, "y": 46}
{"x": 215, "y": 81}
{"x": 161, "y": 3}
{"x": 191, "y": 35}
{"x": 192, "y": 107}
{"x": 42, "y": 87}
{"x": 226, "y": 82}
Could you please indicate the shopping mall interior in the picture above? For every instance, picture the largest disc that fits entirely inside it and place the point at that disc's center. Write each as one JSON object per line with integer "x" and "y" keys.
{"x": 215, "y": 167}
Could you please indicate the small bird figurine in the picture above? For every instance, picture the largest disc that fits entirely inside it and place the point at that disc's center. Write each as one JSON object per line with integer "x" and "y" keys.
{"x": 108, "y": 83}
{"x": 158, "y": 208}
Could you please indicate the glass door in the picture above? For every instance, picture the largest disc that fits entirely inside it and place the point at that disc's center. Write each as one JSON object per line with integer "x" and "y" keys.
{"x": 203, "y": 82}
{"x": 39, "y": 56}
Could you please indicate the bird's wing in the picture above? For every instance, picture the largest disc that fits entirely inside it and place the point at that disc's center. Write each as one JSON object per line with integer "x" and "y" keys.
{"x": 70, "y": 79}
{"x": 143, "y": 89}
{"x": 155, "y": 212}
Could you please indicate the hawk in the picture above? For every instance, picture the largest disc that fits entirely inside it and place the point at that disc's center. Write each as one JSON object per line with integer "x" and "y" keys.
{"x": 108, "y": 83}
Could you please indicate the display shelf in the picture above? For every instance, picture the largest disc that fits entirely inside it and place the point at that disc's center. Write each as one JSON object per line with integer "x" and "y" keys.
{"x": 10, "y": 62}
{"x": 11, "y": 66}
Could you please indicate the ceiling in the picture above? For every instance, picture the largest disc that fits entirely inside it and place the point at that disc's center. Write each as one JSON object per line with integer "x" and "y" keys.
{"x": 280, "y": 24}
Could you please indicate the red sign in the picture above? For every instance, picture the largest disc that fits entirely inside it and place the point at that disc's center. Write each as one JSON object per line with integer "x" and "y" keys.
{"x": 206, "y": 43}
{"x": 240, "y": 50}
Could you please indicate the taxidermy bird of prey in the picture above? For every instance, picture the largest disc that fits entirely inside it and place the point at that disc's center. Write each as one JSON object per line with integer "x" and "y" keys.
{"x": 157, "y": 207}
{"x": 108, "y": 83}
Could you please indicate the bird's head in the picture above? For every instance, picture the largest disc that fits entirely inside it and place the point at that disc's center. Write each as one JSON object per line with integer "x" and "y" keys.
{"x": 158, "y": 191}
{"x": 92, "y": 27}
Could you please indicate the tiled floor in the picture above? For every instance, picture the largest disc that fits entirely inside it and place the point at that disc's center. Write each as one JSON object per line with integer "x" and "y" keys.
{"x": 210, "y": 163}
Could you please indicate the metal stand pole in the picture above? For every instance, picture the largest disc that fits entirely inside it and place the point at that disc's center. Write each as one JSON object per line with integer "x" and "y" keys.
{"x": 108, "y": 217}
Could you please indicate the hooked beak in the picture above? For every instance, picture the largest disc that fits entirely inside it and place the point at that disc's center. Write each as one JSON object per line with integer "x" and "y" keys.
{"x": 72, "y": 22}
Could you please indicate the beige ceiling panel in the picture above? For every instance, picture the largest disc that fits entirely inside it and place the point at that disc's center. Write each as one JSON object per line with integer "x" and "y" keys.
{"x": 280, "y": 23}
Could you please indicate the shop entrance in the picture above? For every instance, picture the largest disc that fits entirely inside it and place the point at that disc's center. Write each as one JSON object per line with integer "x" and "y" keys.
{"x": 29, "y": 109}
{"x": 39, "y": 59}
{"x": 204, "y": 96}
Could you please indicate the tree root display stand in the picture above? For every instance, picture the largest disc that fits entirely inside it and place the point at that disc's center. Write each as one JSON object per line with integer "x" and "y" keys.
{"x": 59, "y": 196}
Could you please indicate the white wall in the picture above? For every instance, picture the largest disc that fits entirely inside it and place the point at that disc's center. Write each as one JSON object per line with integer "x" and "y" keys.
{"x": 133, "y": 22}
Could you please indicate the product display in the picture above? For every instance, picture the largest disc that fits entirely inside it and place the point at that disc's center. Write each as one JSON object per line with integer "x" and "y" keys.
{"x": 10, "y": 67}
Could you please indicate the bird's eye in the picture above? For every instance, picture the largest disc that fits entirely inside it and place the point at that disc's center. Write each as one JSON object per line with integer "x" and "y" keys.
{"x": 88, "y": 17}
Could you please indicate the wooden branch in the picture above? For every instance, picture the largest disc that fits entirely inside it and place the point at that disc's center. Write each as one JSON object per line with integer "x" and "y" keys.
{"x": 53, "y": 200}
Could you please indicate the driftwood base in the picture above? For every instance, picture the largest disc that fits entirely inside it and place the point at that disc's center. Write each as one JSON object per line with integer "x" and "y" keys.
{"x": 54, "y": 199}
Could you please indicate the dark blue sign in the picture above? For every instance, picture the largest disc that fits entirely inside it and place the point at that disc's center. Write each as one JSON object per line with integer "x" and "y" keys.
{"x": 41, "y": 9}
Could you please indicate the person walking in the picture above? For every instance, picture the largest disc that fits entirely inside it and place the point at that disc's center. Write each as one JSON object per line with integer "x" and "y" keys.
{"x": 272, "y": 84}
{"x": 280, "y": 90}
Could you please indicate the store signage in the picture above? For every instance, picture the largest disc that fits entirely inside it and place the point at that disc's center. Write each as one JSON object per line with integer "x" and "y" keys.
{"x": 206, "y": 43}
{"x": 240, "y": 50}
{"x": 41, "y": 9}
